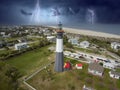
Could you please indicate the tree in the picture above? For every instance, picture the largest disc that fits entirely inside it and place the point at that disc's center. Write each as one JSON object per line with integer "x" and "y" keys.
{"x": 14, "y": 75}
{"x": 69, "y": 45}
{"x": 101, "y": 63}
{"x": 43, "y": 42}
{"x": 118, "y": 52}
{"x": 6, "y": 48}
{"x": 65, "y": 39}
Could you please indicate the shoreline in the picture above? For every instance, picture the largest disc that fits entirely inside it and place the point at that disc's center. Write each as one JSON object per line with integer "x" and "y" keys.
{"x": 89, "y": 33}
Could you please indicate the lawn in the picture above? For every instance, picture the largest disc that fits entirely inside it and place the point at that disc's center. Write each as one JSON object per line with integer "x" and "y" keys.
{"x": 31, "y": 61}
{"x": 4, "y": 51}
{"x": 72, "y": 80}
{"x": 85, "y": 50}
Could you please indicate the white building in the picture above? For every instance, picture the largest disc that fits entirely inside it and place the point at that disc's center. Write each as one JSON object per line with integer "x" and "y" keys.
{"x": 84, "y": 44}
{"x": 79, "y": 66}
{"x": 73, "y": 41}
{"x": 51, "y": 38}
{"x": 67, "y": 53}
{"x": 115, "y": 45}
{"x": 114, "y": 74}
{"x": 109, "y": 65}
{"x": 26, "y": 31}
{"x": 2, "y": 33}
{"x": 2, "y": 44}
{"x": 87, "y": 88}
{"x": 20, "y": 46}
{"x": 40, "y": 32}
{"x": 6, "y": 36}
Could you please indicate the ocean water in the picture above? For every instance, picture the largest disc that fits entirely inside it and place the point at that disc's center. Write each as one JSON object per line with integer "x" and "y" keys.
{"x": 107, "y": 28}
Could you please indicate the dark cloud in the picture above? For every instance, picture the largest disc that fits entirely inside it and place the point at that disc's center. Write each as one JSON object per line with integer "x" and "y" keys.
{"x": 25, "y": 13}
{"x": 107, "y": 11}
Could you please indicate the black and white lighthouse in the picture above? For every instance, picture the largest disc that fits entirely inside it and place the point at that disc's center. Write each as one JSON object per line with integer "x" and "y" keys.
{"x": 59, "y": 62}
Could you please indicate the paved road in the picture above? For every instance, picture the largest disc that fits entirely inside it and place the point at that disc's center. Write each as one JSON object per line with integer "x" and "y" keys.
{"x": 102, "y": 56}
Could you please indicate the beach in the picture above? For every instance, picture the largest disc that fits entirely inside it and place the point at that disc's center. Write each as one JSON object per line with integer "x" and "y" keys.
{"x": 90, "y": 33}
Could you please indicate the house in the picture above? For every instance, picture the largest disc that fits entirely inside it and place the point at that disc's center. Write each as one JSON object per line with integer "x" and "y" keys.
{"x": 51, "y": 38}
{"x": 47, "y": 32}
{"x": 67, "y": 66}
{"x": 87, "y": 88}
{"x": 84, "y": 44}
{"x": 114, "y": 74}
{"x": 26, "y": 31}
{"x": 73, "y": 41}
{"x": 2, "y": 33}
{"x": 79, "y": 66}
{"x": 6, "y": 36}
{"x": 115, "y": 45}
{"x": 67, "y": 53}
{"x": 1, "y": 44}
{"x": 40, "y": 32}
{"x": 109, "y": 65}
{"x": 20, "y": 46}
{"x": 95, "y": 69}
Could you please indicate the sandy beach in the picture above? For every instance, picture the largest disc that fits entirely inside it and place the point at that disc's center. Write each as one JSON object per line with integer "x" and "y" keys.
{"x": 90, "y": 33}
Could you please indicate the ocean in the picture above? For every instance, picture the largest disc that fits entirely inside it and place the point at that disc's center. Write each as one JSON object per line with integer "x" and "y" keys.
{"x": 107, "y": 28}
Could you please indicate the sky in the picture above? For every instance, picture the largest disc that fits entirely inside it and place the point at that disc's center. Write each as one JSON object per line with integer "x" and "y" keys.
{"x": 52, "y": 11}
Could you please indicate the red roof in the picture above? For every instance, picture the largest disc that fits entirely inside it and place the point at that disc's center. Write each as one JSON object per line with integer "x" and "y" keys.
{"x": 79, "y": 65}
{"x": 67, "y": 65}
{"x": 60, "y": 31}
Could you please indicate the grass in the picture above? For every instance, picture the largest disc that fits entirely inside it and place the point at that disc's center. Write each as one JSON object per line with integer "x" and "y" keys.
{"x": 30, "y": 61}
{"x": 85, "y": 50}
{"x": 72, "y": 80}
{"x": 4, "y": 51}
{"x": 12, "y": 39}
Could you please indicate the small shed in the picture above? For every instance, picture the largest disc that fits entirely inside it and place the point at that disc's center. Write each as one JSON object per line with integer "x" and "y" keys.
{"x": 79, "y": 66}
{"x": 67, "y": 66}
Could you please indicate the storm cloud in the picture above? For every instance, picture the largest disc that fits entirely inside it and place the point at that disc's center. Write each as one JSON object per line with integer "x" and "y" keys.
{"x": 25, "y": 13}
{"x": 107, "y": 11}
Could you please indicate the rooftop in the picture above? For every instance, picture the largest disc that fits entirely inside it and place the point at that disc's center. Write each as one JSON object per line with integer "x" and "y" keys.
{"x": 95, "y": 66}
{"x": 67, "y": 65}
{"x": 59, "y": 31}
{"x": 116, "y": 73}
{"x": 79, "y": 65}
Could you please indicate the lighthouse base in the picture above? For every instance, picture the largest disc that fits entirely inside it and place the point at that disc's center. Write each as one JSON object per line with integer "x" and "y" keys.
{"x": 59, "y": 62}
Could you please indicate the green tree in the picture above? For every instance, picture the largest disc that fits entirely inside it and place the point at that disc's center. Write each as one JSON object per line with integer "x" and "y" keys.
{"x": 14, "y": 75}
{"x": 65, "y": 39}
{"x": 69, "y": 45}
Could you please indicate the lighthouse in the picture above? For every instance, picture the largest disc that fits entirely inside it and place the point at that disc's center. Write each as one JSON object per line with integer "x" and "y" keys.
{"x": 59, "y": 60}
